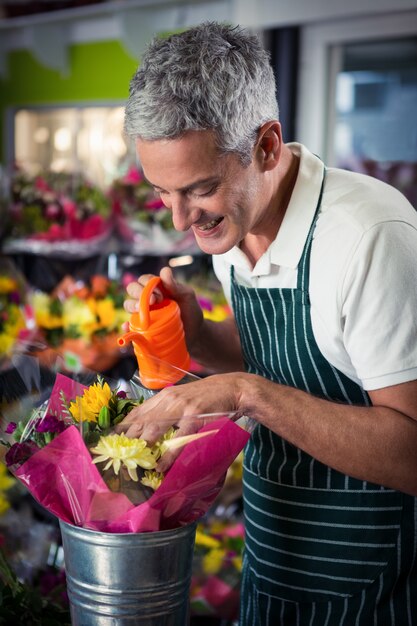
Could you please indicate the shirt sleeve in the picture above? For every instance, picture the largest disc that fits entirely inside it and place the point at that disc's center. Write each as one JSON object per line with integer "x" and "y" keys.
{"x": 379, "y": 305}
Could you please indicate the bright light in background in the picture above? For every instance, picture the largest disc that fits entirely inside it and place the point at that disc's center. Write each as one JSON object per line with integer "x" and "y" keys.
{"x": 116, "y": 145}
{"x": 62, "y": 139}
{"x": 343, "y": 140}
{"x": 82, "y": 144}
{"x": 96, "y": 139}
{"x": 344, "y": 93}
{"x": 41, "y": 134}
{"x": 82, "y": 139}
{"x": 60, "y": 165}
{"x": 178, "y": 261}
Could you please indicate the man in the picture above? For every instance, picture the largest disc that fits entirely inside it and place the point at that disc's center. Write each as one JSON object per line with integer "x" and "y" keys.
{"x": 319, "y": 266}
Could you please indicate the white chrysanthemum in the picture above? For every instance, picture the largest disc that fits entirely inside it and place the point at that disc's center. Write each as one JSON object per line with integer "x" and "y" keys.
{"x": 119, "y": 449}
{"x": 152, "y": 479}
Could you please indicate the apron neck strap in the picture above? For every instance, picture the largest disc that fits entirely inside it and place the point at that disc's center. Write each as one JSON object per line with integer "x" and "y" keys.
{"x": 303, "y": 274}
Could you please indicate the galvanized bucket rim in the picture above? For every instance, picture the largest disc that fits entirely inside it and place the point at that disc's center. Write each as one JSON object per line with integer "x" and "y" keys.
{"x": 160, "y": 533}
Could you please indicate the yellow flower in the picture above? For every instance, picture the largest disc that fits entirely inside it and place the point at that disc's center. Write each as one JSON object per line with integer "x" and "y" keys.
{"x": 7, "y": 284}
{"x": 87, "y": 407}
{"x": 119, "y": 449}
{"x": 41, "y": 303}
{"x": 76, "y": 312}
{"x": 106, "y": 313}
{"x": 121, "y": 317}
{"x": 237, "y": 562}
{"x": 6, "y": 343}
{"x": 6, "y": 481}
{"x": 213, "y": 561}
{"x": 159, "y": 448}
{"x": 202, "y": 539}
{"x": 152, "y": 479}
{"x": 219, "y": 313}
{"x": 15, "y": 322}
{"x": 4, "y": 504}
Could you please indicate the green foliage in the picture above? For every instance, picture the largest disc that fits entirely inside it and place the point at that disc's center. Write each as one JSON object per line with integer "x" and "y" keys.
{"x": 23, "y": 605}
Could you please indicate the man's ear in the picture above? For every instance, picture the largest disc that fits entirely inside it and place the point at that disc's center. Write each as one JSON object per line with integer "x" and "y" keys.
{"x": 269, "y": 144}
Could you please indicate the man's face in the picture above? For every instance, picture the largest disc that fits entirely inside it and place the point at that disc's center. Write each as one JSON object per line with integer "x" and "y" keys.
{"x": 214, "y": 195}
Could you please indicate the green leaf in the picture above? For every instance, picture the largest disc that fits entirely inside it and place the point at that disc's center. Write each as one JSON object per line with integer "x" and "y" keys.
{"x": 8, "y": 577}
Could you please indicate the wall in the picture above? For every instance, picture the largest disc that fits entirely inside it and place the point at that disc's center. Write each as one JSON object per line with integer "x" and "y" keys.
{"x": 99, "y": 71}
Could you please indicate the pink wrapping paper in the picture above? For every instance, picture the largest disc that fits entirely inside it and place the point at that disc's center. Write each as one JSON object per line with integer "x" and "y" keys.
{"x": 63, "y": 479}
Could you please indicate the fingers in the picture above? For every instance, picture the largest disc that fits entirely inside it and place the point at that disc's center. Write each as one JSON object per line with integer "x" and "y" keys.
{"x": 141, "y": 423}
{"x": 134, "y": 290}
{"x": 170, "y": 288}
{"x": 168, "y": 280}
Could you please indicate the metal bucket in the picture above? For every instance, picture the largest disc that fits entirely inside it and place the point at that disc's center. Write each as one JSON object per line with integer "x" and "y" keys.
{"x": 128, "y": 579}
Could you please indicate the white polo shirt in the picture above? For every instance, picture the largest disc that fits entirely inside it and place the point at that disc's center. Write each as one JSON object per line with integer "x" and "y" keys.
{"x": 363, "y": 271}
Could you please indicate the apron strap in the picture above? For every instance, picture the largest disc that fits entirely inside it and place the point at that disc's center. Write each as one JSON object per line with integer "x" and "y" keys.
{"x": 303, "y": 274}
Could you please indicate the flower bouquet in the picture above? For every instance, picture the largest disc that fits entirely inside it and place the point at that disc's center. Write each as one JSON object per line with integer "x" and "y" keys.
{"x": 143, "y": 223}
{"x": 80, "y": 320}
{"x": 56, "y": 213}
{"x": 113, "y": 504}
{"x": 67, "y": 454}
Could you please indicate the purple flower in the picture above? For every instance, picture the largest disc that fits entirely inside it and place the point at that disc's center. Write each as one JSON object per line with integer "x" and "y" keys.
{"x": 10, "y": 428}
{"x": 205, "y": 303}
{"x": 14, "y": 297}
{"x": 51, "y": 581}
{"x": 121, "y": 394}
{"x": 50, "y": 424}
{"x": 20, "y": 452}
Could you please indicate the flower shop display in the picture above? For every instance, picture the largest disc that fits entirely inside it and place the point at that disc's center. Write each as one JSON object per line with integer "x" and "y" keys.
{"x": 56, "y": 214}
{"x": 32, "y": 604}
{"x": 217, "y": 563}
{"x": 32, "y": 591}
{"x": 143, "y": 223}
{"x": 80, "y": 321}
{"x": 111, "y": 500}
{"x": 74, "y": 431}
{"x": 32, "y": 580}
{"x": 217, "y": 568}
{"x": 12, "y": 308}
{"x": 6, "y": 483}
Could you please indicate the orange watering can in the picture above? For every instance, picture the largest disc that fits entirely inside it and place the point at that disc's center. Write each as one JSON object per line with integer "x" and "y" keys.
{"x": 157, "y": 334}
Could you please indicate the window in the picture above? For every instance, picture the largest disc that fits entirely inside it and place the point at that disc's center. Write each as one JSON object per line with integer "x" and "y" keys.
{"x": 73, "y": 139}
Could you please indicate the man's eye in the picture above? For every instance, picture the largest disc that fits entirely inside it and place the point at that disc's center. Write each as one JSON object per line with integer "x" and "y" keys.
{"x": 201, "y": 194}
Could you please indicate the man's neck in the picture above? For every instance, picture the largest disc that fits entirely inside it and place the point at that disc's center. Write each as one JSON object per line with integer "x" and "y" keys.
{"x": 255, "y": 244}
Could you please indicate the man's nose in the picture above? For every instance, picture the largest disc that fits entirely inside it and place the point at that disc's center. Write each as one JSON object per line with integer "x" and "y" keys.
{"x": 181, "y": 211}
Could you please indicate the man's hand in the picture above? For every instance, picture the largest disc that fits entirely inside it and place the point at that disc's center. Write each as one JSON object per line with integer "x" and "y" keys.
{"x": 191, "y": 314}
{"x": 188, "y": 407}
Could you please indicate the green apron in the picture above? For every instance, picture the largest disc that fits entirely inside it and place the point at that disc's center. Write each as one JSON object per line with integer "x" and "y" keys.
{"x": 322, "y": 548}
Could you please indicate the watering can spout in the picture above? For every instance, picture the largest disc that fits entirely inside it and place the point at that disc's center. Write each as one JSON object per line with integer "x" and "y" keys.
{"x": 129, "y": 337}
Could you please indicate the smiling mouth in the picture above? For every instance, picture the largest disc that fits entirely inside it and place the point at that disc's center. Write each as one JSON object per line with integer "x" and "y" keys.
{"x": 210, "y": 225}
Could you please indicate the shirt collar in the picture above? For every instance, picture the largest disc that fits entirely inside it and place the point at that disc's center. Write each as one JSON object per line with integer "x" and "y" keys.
{"x": 287, "y": 248}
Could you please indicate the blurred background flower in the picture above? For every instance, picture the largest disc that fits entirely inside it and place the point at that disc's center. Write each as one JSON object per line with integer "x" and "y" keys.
{"x": 12, "y": 296}
{"x": 82, "y": 317}
{"x": 56, "y": 207}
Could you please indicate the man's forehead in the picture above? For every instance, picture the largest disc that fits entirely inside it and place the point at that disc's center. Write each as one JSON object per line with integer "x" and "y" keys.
{"x": 180, "y": 165}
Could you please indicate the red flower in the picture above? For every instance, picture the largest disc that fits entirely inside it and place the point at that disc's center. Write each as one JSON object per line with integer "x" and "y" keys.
{"x": 133, "y": 177}
{"x": 20, "y": 452}
{"x": 41, "y": 184}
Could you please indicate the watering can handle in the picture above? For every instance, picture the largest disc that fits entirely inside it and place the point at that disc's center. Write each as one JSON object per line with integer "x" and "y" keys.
{"x": 144, "y": 317}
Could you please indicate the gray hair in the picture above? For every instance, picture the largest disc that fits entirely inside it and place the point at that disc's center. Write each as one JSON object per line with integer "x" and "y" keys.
{"x": 211, "y": 77}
